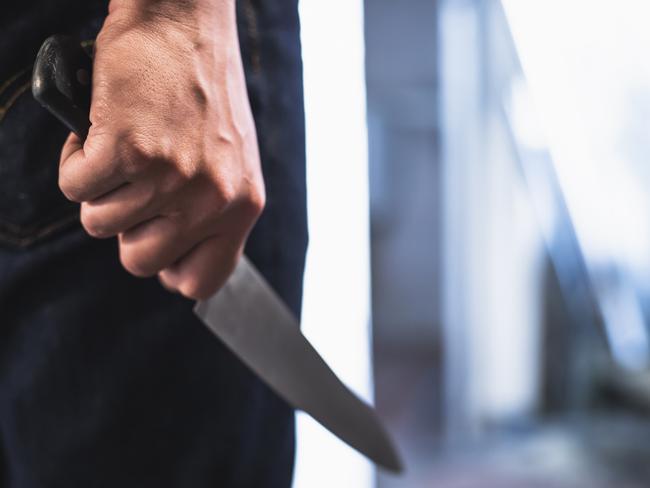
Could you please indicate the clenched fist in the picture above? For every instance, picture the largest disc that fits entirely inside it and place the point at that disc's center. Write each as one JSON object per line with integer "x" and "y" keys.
{"x": 171, "y": 163}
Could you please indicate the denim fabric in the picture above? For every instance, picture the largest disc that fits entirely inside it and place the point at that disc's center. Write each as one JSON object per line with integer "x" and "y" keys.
{"x": 31, "y": 207}
{"x": 107, "y": 380}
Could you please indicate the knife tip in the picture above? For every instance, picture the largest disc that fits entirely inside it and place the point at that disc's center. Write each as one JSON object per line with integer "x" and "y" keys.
{"x": 393, "y": 463}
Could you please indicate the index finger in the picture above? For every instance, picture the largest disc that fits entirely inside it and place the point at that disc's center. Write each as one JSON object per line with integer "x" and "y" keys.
{"x": 83, "y": 178}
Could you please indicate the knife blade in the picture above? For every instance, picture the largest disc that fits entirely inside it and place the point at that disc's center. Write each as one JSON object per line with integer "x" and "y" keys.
{"x": 252, "y": 320}
{"x": 246, "y": 314}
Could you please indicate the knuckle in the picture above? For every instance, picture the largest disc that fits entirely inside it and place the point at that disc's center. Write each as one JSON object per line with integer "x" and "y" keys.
{"x": 91, "y": 224}
{"x": 71, "y": 191}
{"x": 171, "y": 184}
{"x": 213, "y": 199}
{"x": 165, "y": 277}
{"x": 198, "y": 285}
{"x": 142, "y": 149}
{"x": 106, "y": 35}
{"x": 193, "y": 287}
{"x": 137, "y": 153}
{"x": 256, "y": 202}
{"x": 133, "y": 262}
{"x": 226, "y": 193}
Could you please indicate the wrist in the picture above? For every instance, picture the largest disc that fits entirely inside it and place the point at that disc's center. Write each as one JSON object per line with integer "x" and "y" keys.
{"x": 186, "y": 12}
{"x": 201, "y": 23}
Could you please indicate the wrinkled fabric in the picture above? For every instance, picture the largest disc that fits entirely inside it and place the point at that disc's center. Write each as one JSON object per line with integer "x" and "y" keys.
{"x": 106, "y": 379}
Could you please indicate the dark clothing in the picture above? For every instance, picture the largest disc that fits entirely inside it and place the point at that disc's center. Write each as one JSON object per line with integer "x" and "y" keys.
{"x": 31, "y": 206}
{"x": 107, "y": 380}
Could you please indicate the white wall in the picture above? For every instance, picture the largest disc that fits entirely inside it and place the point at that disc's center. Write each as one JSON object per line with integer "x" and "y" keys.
{"x": 336, "y": 311}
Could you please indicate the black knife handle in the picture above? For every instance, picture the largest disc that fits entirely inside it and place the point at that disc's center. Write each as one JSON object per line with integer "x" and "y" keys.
{"x": 61, "y": 82}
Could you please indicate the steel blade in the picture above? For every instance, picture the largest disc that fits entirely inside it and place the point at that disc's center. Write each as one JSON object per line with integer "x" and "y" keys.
{"x": 250, "y": 318}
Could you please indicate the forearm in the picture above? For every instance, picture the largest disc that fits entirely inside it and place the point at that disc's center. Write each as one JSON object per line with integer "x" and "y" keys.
{"x": 213, "y": 17}
{"x": 179, "y": 7}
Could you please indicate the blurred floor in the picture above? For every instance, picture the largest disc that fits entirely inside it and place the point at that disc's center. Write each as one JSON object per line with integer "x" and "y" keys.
{"x": 599, "y": 451}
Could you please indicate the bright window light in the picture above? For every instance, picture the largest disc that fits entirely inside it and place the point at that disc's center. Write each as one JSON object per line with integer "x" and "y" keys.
{"x": 590, "y": 77}
{"x": 336, "y": 310}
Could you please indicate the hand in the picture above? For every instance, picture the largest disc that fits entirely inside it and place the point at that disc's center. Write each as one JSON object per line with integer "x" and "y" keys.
{"x": 171, "y": 163}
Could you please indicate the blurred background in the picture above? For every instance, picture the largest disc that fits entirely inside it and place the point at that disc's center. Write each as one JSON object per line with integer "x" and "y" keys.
{"x": 479, "y": 263}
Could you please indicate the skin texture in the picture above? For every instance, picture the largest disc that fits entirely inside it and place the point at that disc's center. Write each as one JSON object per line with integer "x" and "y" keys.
{"x": 171, "y": 163}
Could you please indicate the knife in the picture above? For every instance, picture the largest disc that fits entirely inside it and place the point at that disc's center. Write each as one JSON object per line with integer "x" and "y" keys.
{"x": 246, "y": 314}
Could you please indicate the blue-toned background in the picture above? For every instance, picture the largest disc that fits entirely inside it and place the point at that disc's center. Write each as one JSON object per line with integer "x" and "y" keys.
{"x": 507, "y": 236}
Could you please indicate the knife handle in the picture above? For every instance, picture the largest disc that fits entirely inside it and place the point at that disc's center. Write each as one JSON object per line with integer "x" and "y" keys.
{"x": 62, "y": 80}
